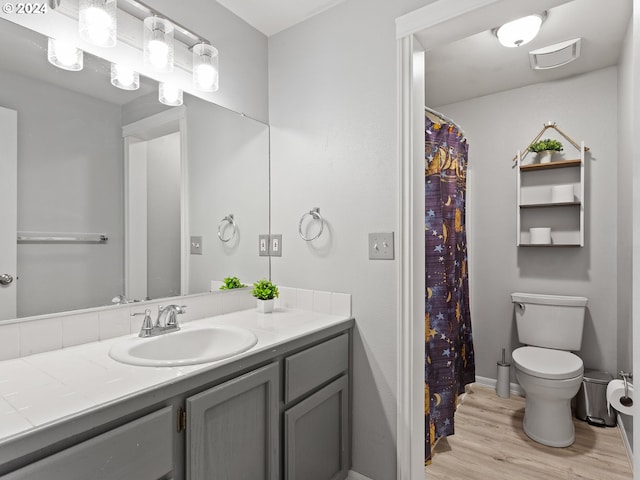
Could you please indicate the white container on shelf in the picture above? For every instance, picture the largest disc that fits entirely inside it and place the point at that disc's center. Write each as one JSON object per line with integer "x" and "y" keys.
{"x": 562, "y": 194}
{"x": 540, "y": 236}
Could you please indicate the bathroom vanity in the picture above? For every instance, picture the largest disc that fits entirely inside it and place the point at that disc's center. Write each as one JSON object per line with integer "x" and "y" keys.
{"x": 279, "y": 410}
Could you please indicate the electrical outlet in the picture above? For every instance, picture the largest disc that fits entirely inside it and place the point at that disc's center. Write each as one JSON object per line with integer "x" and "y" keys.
{"x": 381, "y": 246}
{"x": 263, "y": 245}
{"x": 275, "y": 245}
{"x": 196, "y": 245}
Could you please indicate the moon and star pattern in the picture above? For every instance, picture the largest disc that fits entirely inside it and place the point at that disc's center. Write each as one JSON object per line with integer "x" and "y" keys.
{"x": 449, "y": 354}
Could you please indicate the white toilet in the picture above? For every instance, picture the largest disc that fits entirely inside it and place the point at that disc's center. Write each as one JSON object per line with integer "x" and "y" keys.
{"x": 551, "y": 327}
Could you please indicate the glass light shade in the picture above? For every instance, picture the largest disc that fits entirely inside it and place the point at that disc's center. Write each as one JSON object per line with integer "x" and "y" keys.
{"x": 158, "y": 44}
{"x": 169, "y": 95}
{"x": 205, "y": 67}
{"x": 97, "y": 22}
{"x": 519, "y": 32}
{"x": 124, "y": 77}
{"x": 64, "y": 55}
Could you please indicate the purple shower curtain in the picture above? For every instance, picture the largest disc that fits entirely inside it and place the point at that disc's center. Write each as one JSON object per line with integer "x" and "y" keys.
{"x": 449, "y": 355}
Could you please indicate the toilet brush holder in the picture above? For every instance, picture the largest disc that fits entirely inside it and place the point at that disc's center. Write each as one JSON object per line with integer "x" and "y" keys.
{"x": 503, "y": 378}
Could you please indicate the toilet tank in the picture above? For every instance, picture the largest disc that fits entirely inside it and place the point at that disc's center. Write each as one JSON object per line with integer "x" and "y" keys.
{"x": 549, "y": 321}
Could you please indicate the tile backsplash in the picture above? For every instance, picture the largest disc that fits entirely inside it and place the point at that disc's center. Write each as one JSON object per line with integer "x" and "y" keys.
{"x": 28, "y": 336}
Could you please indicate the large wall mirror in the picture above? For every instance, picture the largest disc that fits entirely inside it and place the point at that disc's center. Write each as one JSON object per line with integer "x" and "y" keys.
{"x": 154, "y": 180}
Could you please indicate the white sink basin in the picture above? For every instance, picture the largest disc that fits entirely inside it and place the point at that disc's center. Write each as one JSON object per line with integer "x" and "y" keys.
{"x": 184, "y": 347}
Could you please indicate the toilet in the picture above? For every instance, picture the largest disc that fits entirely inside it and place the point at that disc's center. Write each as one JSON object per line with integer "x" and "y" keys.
{"x": 550, "y": 327}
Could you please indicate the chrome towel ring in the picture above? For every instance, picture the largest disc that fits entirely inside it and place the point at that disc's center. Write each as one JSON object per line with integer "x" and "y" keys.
{"x": 231, "y": 221}
{"x": 315, "y": 213}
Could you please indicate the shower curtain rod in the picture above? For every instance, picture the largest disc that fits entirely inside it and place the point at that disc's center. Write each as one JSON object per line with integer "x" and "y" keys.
{"x": 446, "y": 119}
{"x": 544, "y": 129}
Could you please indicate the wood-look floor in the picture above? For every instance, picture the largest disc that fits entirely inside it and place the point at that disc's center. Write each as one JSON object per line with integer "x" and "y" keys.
{"x": 490, "y": 444}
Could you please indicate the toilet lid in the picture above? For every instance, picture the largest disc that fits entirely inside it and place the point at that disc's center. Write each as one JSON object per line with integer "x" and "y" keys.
{"x": 547, "y": 362}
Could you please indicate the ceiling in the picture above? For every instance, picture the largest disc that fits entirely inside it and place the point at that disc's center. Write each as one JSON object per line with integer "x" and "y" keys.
{"x": 273, "y": 16}
{"x": 478, "y": 65}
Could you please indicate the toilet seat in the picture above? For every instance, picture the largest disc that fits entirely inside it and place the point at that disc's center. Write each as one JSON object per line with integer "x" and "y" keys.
{"x": 547, "y": 363}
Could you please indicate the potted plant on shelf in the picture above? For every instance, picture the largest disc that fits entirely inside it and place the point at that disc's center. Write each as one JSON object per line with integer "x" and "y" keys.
{"x": 232, "y": 282}
{"x": 265, "y": 292}
{"x": 545, "y": 149}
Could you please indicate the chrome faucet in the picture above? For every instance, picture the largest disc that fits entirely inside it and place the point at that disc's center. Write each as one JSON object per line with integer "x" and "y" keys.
{"x": 166, "y": 322}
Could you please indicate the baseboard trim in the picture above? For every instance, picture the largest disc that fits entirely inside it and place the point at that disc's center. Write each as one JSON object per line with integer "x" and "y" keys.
{"x": 514, "y": 388}
{"x": 356, "y": 476}
{"x": 625, "y": 440}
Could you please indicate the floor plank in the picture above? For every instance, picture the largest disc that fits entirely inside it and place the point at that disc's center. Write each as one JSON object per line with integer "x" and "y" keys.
{"x": 489, "y": 443}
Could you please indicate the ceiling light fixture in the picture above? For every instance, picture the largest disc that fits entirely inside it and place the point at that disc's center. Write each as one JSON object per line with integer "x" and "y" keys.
{"x": 205, "y": 67}
{"x": 521, "y": 31}
{"x": 97, "y": 22}
{"x": 64, "y": 55}
{"x": 124, "y": 77}
{"x": 158, "y": 43}
{"x": 169, "y": 95}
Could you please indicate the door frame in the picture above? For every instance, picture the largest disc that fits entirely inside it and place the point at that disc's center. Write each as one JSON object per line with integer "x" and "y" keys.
{"x": 169, "y": 121}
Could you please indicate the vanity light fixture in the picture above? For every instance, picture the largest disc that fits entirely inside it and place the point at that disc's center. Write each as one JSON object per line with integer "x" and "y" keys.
{"x": 521, "y": 31}
{"x": 124, "y": 77}
{"x": 97, "y": 22}
{"x": 64, "y": 55}
{"x": 205, "y": 67}
{"x": 169, "y": 95}
{"x": 158, "y": 43}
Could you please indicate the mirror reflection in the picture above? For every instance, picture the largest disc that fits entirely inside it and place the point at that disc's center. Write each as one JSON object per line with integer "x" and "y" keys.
{"x": 155, "y": 181}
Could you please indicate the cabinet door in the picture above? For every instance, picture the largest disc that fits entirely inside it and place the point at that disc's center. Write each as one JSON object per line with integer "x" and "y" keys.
{"x": 317, "y": 435}
{"x": 141, "y": 449}
{"x": 232, "y": 429}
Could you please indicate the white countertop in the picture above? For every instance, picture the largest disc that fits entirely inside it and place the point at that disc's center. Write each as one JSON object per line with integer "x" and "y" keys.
{"x": 51, "y": 387}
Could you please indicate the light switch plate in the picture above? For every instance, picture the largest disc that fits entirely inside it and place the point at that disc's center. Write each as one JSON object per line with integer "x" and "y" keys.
{"x": 263, "y": 245}
{"x": 381, "y": 246}
{"x": 275, "y": 245}
{"x": 196, "y": 245}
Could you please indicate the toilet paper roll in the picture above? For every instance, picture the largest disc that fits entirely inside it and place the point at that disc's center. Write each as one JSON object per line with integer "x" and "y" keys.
{"x": 615, "y": 393}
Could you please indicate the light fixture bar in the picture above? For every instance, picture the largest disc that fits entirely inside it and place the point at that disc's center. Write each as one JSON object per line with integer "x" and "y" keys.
{"x": 141, "y": 10}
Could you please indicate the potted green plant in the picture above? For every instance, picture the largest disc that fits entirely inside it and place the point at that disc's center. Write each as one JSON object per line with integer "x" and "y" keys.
{"x": 231, "y": 282}
{"x": 265, "y": 293}
{"x": 545, "y": 149}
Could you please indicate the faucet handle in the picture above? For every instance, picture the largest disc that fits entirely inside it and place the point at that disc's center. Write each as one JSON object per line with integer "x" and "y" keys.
{"x": 175, "y": 310}
{"x": 147, "y": 323}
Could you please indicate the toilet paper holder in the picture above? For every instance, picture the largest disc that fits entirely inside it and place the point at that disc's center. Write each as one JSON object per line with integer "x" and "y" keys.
{"x": 626, "y": 400}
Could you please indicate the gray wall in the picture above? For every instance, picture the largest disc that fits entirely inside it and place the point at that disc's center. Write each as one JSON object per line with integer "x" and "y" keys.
{"x": 69, "y": 180}
{"x": 585, "y": 107}
{"x": 163, "y": 216}
{"x": 332, "y": 102}
{"x": 625, "y": 207}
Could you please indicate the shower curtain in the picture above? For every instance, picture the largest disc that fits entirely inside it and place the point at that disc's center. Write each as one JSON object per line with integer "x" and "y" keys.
{"x": 449, "y": 355}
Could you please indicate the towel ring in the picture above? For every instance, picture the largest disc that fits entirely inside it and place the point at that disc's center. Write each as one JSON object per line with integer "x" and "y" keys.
{"x": 231, "y": 221}
{"x": 315, "y": 213}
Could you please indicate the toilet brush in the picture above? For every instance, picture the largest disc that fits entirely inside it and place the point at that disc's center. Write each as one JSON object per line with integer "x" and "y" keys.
{"x": 503, "y": 377}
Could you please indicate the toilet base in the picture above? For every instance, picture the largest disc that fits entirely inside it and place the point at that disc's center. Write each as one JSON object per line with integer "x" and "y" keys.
{"x": 549, "y": 423}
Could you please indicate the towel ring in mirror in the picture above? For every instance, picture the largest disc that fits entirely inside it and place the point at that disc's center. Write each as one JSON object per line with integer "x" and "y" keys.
{"x": 315, "y": 214}
{"x": 223, "y": 223}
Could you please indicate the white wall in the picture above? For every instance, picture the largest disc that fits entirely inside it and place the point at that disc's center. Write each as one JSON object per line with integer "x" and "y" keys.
{"x": 332, "y": 103}
{"x": 625, "y": 210}
{"x": 585, "y": 107}
{"x": 163, "y": 216}
{"x": 242, "y": 52}
{"x": 69, "y": 180}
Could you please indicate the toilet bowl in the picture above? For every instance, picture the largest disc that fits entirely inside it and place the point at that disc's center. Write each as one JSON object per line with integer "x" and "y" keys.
{"x": 550, "y": 379}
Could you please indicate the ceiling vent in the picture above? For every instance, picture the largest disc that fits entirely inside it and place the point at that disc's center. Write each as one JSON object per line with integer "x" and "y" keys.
{"x": 555, "y": 55}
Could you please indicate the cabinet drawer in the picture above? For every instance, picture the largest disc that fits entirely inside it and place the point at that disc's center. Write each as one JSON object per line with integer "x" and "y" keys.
{"x": 141, "y": 449}
{"x": 313, "y": 367}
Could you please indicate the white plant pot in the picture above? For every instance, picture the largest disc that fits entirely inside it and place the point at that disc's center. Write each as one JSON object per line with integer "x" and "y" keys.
{"x": 265, "y": 306}
{"x": 545, "y": 156}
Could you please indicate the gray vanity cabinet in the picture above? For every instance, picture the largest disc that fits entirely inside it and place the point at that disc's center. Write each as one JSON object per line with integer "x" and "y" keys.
{"x": 141, "y": 449}
{"x": 316, "y": 415}
{"x": 233, "y": 429}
